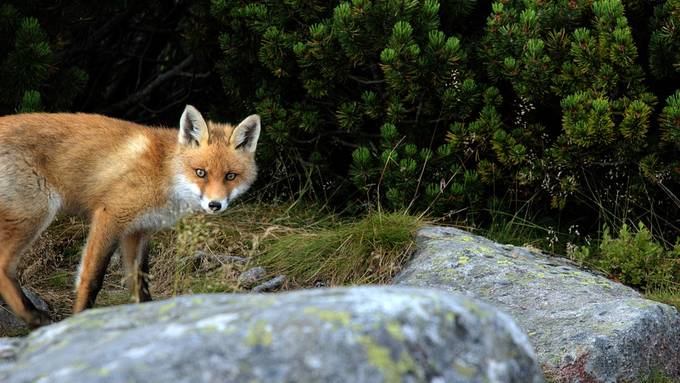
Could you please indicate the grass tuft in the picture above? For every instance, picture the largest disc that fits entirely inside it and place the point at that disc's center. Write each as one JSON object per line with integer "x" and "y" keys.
{"x": 669, "y": 296}
{"x": 657, "y": 376}
{"x": 371, "y": 250}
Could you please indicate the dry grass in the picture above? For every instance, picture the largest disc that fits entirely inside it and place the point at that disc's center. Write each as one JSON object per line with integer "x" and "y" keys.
{"x": 49, "y": 267}
{"x": 196, "y": 255}
{"x": 193, "y": 257}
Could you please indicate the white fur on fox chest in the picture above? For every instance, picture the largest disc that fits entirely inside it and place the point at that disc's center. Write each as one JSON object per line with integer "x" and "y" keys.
{"x": 157, "y": 219}
{"x": 183, "y": 199}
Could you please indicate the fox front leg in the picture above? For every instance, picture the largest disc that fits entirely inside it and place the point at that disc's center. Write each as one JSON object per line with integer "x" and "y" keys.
{"x": 134, "y": 254}
{"x": 104, "y": 233}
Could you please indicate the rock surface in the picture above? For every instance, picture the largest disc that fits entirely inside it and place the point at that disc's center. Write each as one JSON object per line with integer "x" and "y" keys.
{"x": 10, "y": 325}
{"x": 362, "y": 334}
{"x": 270, "y": 285}
{"x": 9, "y": 349}
{"x": 251, "y": 277}
{"x": 584, "y": 327}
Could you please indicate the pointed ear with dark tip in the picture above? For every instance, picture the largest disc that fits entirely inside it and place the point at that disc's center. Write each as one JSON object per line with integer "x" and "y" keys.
{"x": 245, "y": 135}
{"x": 193, "y": 130}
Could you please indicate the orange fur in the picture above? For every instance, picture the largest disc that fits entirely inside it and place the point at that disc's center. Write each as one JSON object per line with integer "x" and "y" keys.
{"x": 128, "y": 179}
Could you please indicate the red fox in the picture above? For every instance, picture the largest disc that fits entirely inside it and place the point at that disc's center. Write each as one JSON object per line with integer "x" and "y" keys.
{"x": 128, "y": 179}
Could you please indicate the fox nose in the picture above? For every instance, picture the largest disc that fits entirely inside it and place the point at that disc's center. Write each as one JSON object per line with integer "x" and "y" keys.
{"x": 214, "y": 205}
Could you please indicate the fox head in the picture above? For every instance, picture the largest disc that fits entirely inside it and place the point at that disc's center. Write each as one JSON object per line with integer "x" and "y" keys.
{"x": 215, "y": 162}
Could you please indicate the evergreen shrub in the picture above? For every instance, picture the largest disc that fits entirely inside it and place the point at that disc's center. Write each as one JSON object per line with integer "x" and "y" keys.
{"x": 31, "y": 78}
{"x": 424, "y": 105}
{"x": 635, "y": 258}
{"x": 567, "y": 109}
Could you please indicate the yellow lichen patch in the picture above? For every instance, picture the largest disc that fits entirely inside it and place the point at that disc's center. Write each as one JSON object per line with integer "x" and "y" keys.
{"x": 379, "y": 357}
{"x": 166, "y": 308}
{"x": 209, "y": 328}
{"x": 483, "y": 250}
{"x": 335, "y": 317}
{"x": 395, "y": 330}
{"x": 504, "y": 262}
{"x": 642, "y": 304}
{"x": 463, "y": 260}
{"x": 593, "y": 281}
{"x": 608, "y": 328}
{"x": 259, "y": 334}
{"x": 474, "y": 309}
{"x": 464, "y": 370}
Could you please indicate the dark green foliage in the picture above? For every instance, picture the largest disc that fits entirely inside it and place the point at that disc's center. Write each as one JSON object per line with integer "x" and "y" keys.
{"x": 29, "y": 67}
{"x": 583, "y": 59}
{"x": 568, "y": 108}
{"x": 139, "y": 60}
{"x": 635, "y": 258}
{"x": 358, "y": 70}
{"x": 31, "y": 102}
{"x": 664, "y": 42}
{"x": 549, "y": 103}
{"x": 670, "y": 120}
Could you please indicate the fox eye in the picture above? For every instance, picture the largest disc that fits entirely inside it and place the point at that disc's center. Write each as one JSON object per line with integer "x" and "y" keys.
{"x": 230, "y": 176}
{"x": 200, "y": 173}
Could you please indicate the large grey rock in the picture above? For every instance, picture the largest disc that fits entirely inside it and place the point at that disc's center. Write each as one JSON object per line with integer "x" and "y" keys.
{"x": 366, "y": 334}
{"x": 11, "y": 325}
{"x": 584, "y": 327}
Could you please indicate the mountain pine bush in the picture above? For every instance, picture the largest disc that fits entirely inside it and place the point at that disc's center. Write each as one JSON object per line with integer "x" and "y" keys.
{"x": 664, "y": 42}
{"x": 578, "y": 60}
{"x": 29, "y": 67}
{"x": 545, "y": 101}
{"x": 569, "y": 108}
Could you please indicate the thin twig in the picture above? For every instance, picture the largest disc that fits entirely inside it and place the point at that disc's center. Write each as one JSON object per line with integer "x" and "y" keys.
{"x": 382, "y": 174}
{"x": 150, "y": 87}
{"x": 364, "y": 81}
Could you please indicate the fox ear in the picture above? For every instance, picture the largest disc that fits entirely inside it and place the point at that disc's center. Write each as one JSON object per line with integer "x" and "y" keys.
{"x": 192, "y": 128}
{"x": 245, "y": 135}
